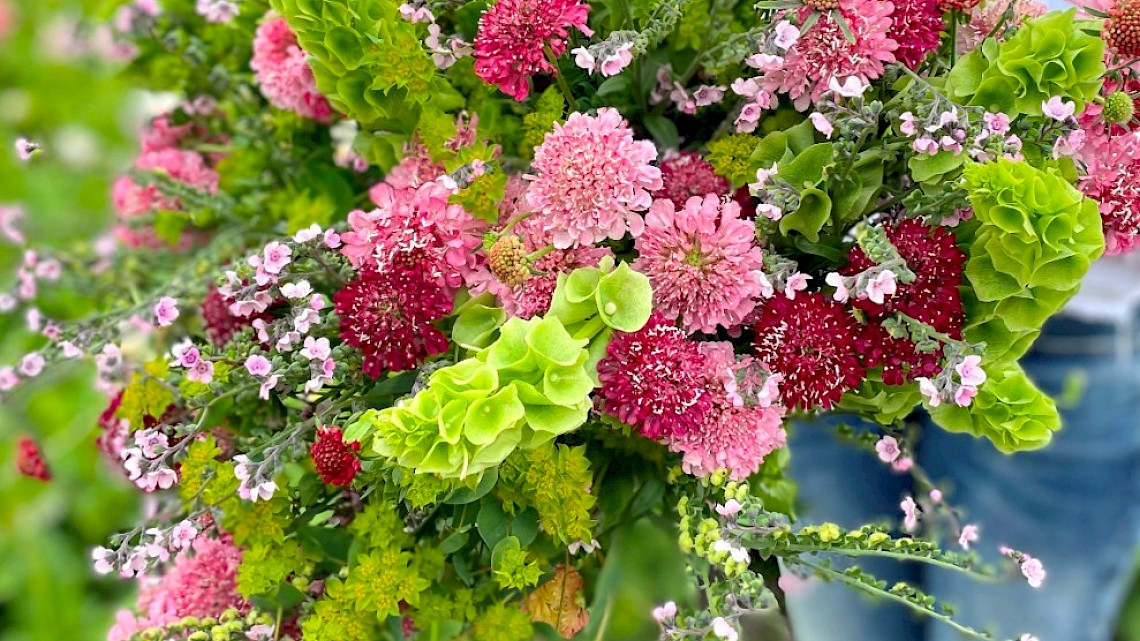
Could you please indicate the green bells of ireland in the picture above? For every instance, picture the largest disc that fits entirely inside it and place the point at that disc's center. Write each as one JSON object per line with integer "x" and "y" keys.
{"x": 531, "y": 384}
{"x": 1049, "y": 56}
{"x": 1032, "y": 239}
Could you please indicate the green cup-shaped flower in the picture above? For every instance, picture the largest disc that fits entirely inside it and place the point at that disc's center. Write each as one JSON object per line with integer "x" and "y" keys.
{"x": 1048, "y": 56}
{"x": 1009, "y": 410}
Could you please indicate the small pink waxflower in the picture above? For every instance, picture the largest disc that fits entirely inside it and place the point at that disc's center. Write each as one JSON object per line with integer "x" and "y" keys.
{"x": 1033, "y": 571}
{"x": 621, "y": 58}
{"x": 929, "y": 390}
{"x": 187, "y": 355}
{"x": 797, "y": 282}
{"x": 307, "y": 234}
{"x": 730, "y": 507}
{"x": 277, "y": 257}
{"x": 297, "y": 290}
{"x": 183, "y": 535}
{"x": 907, "y": 127}
{"x": 936, "y": 495}
{"x": 9, "y": 220}
{"x": 996, "y": 123}
{"x": 25, "y": 148}
{"x": 968, "y": 535}
{"x": 910, "y": 514}
{"x": 822, "y": 124}
{"x": 267, "y": 386}
{"x": 1058, "y": 108}
{"x": 853, "y": 87}
{"x": 217, "y": 11}
{"x": 583, "y": 59}
{"x": 201, "y": 372}
{"x": 8, "y": 379}
{"x": 665, "y": 612}
{"x": 258, "y": 365}
{"x": 881, "y": 286}
{"x": 836, "y": 280}
{"x": 166, "y": 311}
{"x": 722, "y": 629}
{"x": 964, "y": 395}
{"x": 786, "y": 34}
{"x": 32, "y": 365}
{"x": 316, "y": 349}
{"x": 591, "y": 177}
{"x": 888, "y": 449}
{"x": 969, "y": 371}
{"x": 903, "y": 464}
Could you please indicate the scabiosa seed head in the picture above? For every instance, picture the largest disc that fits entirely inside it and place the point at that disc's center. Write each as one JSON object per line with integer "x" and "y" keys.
{"x": 591, "y": 179}
{"x": 810, "y": 342}
{"x": 653, "y": 379}
{"x": 514, "y": 36}
{"x": 687, "y": 174}
{"x": 335, "y": 460}
{"x": 1118, "y": 108}
{"x": 30, "y": 461}
{"x": 507, "y": 259}
{"x": 388, "y": 316}
{"x": 1122, "y": 29}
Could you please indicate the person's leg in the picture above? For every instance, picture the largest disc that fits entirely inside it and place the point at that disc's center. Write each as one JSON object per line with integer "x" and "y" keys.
{"x": 1075, "y": 505}
{"x": 840, "y": 484}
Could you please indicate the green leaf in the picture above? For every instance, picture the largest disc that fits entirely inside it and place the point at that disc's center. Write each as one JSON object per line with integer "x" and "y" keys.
{"x": 813, "y": 213}
{"x": 524, "y": 527}
{"x": 663, "y": 131}
{"x": 492, "y": 523}
{"x": 168, "y": 225}
{"x": 927, "y": 168}
{"x": 619, "y": 84}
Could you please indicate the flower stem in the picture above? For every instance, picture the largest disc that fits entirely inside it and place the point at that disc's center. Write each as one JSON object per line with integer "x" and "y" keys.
{"x": 560, "y": 79}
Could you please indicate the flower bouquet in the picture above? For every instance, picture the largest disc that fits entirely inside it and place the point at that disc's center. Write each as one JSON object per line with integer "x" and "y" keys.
{"x": 417, "y": 318}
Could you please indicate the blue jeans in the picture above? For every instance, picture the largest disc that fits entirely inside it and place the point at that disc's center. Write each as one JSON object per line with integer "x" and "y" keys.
{"x": 1075, "y": 505}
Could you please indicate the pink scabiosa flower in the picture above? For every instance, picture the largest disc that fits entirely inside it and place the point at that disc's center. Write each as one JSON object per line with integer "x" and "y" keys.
{"x": 653, "y": 379}
{"x": 702, "y": 261}
{"x": 417, "y": 225}
{"x": 824, "y": 52}
{"x": 591, "y": 179}
{"x": 388, "y": 316}
{"x": 687, "y": 174}
{"x": 811, "y": 343}
{"x": 132, "y": 200}
{"x": 283, "y": 74}
{"x": 984, "y": 19}
{"x": 1116, "y": 190}
{"x": 733, "y": 436}
{"x": 514, "y": 35}
{"x": 916, "y": 25}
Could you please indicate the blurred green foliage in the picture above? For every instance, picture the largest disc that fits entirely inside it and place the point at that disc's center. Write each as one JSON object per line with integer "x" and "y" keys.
{"x": 78, "y": 109}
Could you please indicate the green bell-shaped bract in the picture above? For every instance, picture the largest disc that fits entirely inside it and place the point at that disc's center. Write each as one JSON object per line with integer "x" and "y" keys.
{"x": 1048, "y": 56}
{"x": 1009, "y": 410}
{"x": 1032, "y": 239}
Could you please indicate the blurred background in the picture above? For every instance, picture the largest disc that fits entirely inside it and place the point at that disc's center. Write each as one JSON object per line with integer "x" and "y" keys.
{"x": 57, "y": 87}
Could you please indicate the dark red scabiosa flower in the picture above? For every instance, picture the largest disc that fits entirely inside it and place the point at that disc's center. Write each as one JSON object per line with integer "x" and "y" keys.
{"x": 932, "y": 298}
{"x": 653, "y": 379}
{"x": 221, "y": 325}
{"x": 917, "y": 26}
{"x": 335, "y": 460}
{"x": 811, "y": 342}
{"x": 30, "y": 461}
{"x": 513, "y": 36}
{"x": 388, "y": 316}
{"x": 957, "y": 5}
{"x": 688, "y": 174}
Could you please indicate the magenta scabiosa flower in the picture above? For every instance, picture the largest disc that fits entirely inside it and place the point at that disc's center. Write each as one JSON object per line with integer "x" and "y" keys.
{"x": 514, "y": 35}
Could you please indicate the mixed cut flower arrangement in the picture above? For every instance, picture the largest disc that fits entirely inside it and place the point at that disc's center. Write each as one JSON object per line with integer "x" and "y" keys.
{"x": 413, "y": 313}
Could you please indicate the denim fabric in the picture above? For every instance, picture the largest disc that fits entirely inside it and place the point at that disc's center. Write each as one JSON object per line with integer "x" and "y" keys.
{"x": 1075, "y": 505}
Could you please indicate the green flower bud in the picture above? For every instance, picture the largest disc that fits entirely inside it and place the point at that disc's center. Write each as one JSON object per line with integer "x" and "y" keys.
{"x": 1118, "y": 108}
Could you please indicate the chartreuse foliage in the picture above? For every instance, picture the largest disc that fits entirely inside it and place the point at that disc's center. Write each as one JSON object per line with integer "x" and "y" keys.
{"x": 529, "y": 385}
{"x": 146, "y": 396}
{"x": 1049, "y": 56}
{"x": 1032, "y": 240}
{"x": 370, "y": 64}
{"x": 555, "y": 481}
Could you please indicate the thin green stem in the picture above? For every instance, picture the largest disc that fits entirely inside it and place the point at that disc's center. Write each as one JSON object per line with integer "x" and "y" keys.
{"x": 561, "y": 80}
{"x": 860, "y": 585}
{"x": 896, "y": 556}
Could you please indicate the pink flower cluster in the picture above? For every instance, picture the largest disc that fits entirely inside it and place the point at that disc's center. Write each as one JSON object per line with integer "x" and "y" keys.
{"x": 514, "y": 36}
{"x": 702, "y": 261}
{"x": 824, "y": 52}
{"x": 415, "y": 225}
{"x": 591, "y": 178}
{"x": 132, "y": 200}
{"x": 283, "y": 74}
{"x": 203, "y": 584}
